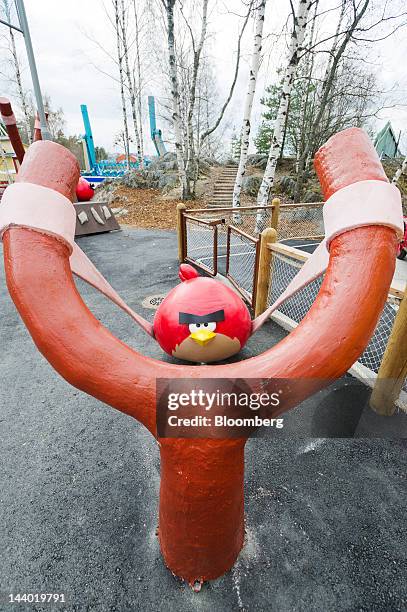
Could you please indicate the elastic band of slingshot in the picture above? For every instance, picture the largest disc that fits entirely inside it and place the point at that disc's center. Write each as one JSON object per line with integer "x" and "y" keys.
{"x": 40, "y": 208}
{"x": 9, "y": 119}
{"x": 46, "y": 211}
{"x": 358, "y": 205}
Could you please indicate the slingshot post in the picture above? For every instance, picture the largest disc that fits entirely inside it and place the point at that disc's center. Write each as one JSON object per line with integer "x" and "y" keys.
{"x": 275, "y": 215}
{"x": 393, "y": 369}
{"x": 181, "y": 208}
{"x": 267, "y": 236}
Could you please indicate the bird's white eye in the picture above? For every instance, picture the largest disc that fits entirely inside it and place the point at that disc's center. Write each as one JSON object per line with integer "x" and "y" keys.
{"x": 194, "y": 327}
{"x": 210, "y": 326}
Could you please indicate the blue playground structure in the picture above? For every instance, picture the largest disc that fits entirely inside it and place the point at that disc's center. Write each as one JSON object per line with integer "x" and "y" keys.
{"x": 156, "y": 135}
{"x": 98, "y": 171}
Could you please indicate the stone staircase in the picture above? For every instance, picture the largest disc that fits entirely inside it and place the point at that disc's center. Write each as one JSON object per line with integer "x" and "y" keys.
{"x": 223, "y": 188}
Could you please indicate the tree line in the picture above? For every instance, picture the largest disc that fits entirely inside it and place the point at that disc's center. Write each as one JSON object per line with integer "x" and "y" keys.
{"x": 325, "y": 83}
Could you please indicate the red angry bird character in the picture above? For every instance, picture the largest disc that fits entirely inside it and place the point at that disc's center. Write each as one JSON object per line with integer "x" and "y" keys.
{"x": 201, "y": 320}
{"x": 84, "y": 190}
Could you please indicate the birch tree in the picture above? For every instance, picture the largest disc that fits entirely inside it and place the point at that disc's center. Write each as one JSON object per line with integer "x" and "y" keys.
{"x": 361, "y": 22}
{"x": 297, "y": 37}
{"x": 138, "y": 71}
{"x": 400, "y": 171}
{"x": 130, "y": 82}
{"x": 209, "y": 130}
{"x": 307, "y": 147}
{"x": 246, "y": 126}
{"x": 197, "y": 51}
{"x": 175, "y": 98}
{"x": 118, "y": 29}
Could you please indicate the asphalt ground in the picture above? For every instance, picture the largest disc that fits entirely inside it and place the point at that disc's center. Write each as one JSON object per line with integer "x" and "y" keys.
{"x": 325, "y": 498}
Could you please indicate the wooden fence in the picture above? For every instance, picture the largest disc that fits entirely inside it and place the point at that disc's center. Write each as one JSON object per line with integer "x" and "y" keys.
{"x": 383, "y": 364}
{"x": 260, "y": 268}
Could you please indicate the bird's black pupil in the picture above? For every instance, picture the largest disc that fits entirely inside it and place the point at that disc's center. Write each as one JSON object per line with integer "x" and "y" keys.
{"x": 198, "y": 325}
{"x": 206, "y": 324}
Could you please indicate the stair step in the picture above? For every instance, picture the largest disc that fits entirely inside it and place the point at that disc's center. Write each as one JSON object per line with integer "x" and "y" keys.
{"x": 214, "y": 205}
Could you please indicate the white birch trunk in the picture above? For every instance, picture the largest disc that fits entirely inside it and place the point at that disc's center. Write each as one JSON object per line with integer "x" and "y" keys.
{"x": 131, "y": 85}
{"x": 297, "y": 37}
{"x": 400, "y": 171}
{"x": 121, "y": 79}
{"x": 139, "y": 83}
{"x": 176, "y": 117}
{"x": 191, "y": 161}
{"x": 245, "y": 131}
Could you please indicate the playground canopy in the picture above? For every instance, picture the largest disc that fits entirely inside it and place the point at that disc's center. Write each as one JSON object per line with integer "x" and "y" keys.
{"x": 387, "y": 143}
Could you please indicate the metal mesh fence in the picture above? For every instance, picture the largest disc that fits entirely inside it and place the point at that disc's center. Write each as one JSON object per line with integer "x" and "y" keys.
{"x": 243, "y": 218}
{"x": 199, "y": 241}
{"x": 241, "y": 266}
{"x": 283, "y": 270}
{"x": 373, "y": 355}
{"x": 200, "y": 244}
{"x": 300, "y": 221}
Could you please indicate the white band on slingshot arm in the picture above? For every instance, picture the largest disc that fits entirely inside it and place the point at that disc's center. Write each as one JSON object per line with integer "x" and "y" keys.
{"x": 46, "y": 211}
{"x": 361, "y": 204}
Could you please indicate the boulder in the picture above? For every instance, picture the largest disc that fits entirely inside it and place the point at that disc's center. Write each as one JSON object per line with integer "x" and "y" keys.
{"x": 172, "y": 194}
{"x": 258, "y": 160}
{"x": 251, "y": 185}
{"x": 287, "y": 185}
{"x": 168, "y": 181}
{"x": 312, "y": 196}
{"x": 170, "y": 165}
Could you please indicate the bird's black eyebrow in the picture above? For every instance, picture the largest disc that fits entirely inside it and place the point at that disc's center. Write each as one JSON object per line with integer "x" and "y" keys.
{"x": 187, "y": 318}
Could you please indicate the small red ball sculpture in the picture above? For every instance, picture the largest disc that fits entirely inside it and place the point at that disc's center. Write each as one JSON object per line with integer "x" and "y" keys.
{"x": 84, "y": 190}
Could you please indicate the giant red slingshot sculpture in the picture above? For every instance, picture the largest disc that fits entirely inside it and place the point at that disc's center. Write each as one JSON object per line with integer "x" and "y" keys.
{"x": 201, "y": 514}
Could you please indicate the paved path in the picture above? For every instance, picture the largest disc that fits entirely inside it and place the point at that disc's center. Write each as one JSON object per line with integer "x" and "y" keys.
{"x": 79, "y": 482}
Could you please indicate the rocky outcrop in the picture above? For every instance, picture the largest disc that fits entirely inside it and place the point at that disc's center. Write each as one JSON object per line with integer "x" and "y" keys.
{"x": 257, "y": 160}
{"x": 251, "y": 184}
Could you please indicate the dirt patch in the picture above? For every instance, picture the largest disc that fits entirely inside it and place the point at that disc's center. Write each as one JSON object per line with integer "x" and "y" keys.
{"x": 147, "y": 208}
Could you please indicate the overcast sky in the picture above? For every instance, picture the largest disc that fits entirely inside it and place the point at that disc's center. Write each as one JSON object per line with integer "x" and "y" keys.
{"x": 66, "y": 60}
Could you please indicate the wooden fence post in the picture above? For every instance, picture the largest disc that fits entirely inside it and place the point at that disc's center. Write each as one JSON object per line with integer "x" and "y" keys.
{"x": 267, "y": 236}
{"x": 181, "y": 232}
{"x": 393, "y": 369}
{"x": 275, "y": 213}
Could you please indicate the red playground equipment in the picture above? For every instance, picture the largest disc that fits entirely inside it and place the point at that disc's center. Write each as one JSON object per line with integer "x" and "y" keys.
{"x": 201, "y": 510}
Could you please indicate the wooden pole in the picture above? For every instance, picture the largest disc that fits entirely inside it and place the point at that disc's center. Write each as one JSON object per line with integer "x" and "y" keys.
{"x": 267, "y": 236}
{"x": 393, "y": 369}
{"x": 276, "y": 213}
{"x": 181, "y": 208}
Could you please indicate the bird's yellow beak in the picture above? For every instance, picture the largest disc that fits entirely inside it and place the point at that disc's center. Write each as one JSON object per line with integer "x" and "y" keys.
{"x": 202, "y": 336}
